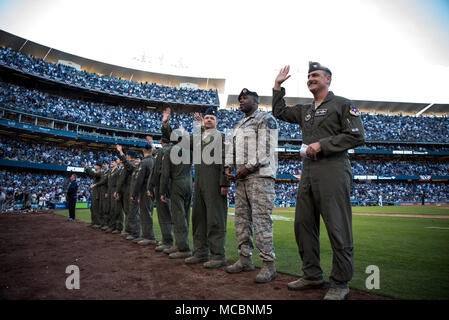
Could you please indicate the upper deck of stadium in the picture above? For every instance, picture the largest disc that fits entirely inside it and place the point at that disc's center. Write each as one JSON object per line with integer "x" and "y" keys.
{"x": 366, "y": 106}
{"x": 55, "y": 56}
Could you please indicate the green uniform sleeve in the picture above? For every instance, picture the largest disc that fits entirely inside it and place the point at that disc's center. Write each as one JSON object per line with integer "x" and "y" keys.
{"x": 128, "y": 167}
{"x": 282, "y": 112}
{"x": 166, "y": 130}
{"x": 352, "y": 133}
{"x": 224, "y": 182}
{"x": 165, "y": 172}
{"x": 153, "y": 181}
{"x": 90, "y": 172}
{"x": 138, "y": 187}
{"x": 103, "y": 181}
{"x": 121, "y": 180}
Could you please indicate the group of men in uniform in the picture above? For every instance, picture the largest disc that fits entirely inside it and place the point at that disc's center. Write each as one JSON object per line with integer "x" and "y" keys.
{"x": 120, "y": 203}
{"x": 330, "y": 125}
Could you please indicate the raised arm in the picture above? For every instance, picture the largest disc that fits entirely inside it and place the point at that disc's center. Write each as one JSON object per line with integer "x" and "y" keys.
{"x": 279, "y": 108}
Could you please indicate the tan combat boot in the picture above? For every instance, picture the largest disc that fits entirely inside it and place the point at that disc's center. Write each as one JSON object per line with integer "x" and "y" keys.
{"x": 304, "y": 284}
{"x": 213, "y": 264}
{"x": 162, "y": 247}
{"x": 180, "y": 255}
{"x": 243, "y": 264}
{"x": 337, "y": 294}
{"x": 170, "y": 250}
{"x": 267, "y": 273}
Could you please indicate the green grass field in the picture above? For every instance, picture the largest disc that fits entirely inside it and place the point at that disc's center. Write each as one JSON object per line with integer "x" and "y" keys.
{"x": 411, "y": 253}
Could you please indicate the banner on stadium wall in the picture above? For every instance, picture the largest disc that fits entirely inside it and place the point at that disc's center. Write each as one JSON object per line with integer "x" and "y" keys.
{"x": 75, "y": 169}
{"x": 30, "y": 127}
{"x": 79, "y": 205}
{"x": 419, "y": 203}
{"x": 60, "y": 206}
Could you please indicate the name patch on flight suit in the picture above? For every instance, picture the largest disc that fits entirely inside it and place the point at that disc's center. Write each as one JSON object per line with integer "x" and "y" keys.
{"x": 354, "y": 111}
{"x": 320, "y": 112}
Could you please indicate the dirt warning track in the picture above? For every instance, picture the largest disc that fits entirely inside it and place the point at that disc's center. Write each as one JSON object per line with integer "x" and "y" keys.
{"x": 35, "y": 250}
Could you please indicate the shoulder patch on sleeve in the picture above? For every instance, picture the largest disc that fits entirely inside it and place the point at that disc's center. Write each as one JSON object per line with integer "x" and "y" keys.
{"x": 354, "y": 111}
{"x": 271, "y": 123}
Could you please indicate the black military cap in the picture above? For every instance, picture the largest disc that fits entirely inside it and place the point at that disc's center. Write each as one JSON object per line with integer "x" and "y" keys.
{"x": 131, "y": 153}
{"x": 114, "y": 159}
{"x": 98, "y": 163}
{"x": 211, "y": 111}
{"x": 148, "y": 146}
{"x": 139, "y": 156}
{"x": 246, "y": 92}
{"x": 313, "y": 66}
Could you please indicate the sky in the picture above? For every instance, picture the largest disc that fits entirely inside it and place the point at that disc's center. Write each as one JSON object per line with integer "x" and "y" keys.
{"x": 385, "y": 50}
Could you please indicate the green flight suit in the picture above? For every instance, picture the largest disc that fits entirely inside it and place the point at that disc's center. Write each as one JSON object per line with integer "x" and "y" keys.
{"x": 209, "y": 209}
{"x": 178, "y": 177}
{"x": 95, "y": 202}
{"x": 139, "y": 191}
{"x": 123, "y": 184}
{"x": 163, "y": 208}
{"x": 104, "y": 199}
{"x": 121, "y": 190}
{"x": 116, "y": 211}
{"x": 325, "y": 184}
{"x": 133, "y": 217}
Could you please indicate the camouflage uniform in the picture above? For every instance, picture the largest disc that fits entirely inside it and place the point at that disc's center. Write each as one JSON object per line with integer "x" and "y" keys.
{"x": 255, "y": 195}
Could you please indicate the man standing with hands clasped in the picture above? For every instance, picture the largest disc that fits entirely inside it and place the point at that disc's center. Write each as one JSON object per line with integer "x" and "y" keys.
{"x": 254, "y": 140}
{"x": 330, "y": 126}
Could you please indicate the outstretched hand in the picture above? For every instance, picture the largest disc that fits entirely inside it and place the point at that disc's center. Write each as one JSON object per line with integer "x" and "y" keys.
{"x": 197, "y": 116}
{"x": 166, "y": 115}
{"x": 281, "y": 77}
{"x": 119, "y": 148}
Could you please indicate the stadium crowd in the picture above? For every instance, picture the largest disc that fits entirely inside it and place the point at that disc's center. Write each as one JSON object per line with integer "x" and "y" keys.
{"x": 44, "y": 190}
{"x": 39, "y": 190}
{"x": 365, "y": 194}
{"x": 400, "y": 167}
{"x": 377, "y": 127}
{"x": 87, "y": 80}
{"x": 16, "y": 149}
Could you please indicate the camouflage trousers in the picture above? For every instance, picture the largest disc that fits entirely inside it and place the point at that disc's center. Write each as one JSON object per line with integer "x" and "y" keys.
{"x": 254, "y": 202}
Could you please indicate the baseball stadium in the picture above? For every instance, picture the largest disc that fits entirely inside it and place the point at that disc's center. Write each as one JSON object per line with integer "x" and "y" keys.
{"x": 68, "y": 120}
